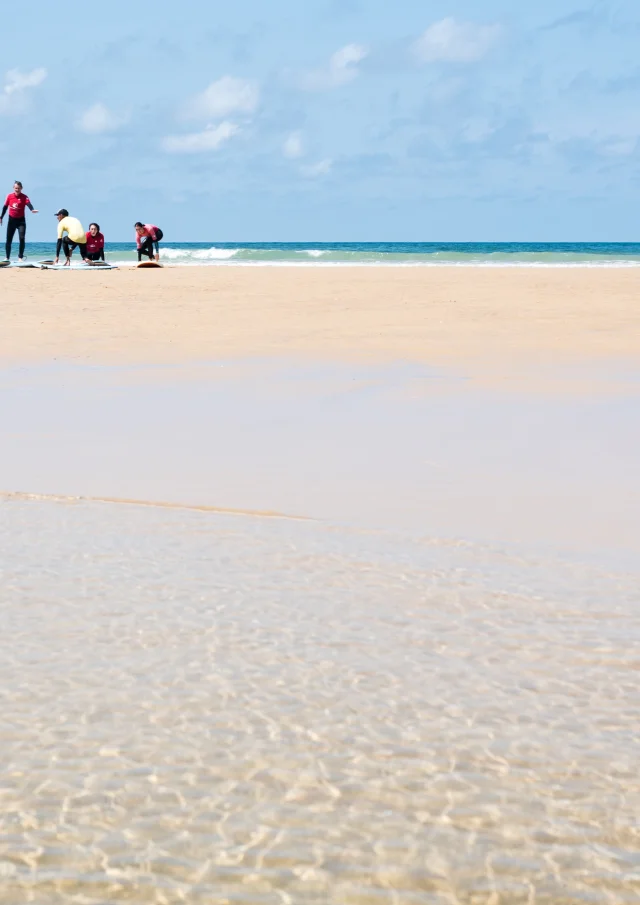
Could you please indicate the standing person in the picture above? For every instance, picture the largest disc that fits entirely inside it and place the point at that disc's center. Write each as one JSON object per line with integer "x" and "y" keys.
{"x": 147, "y": 238}
{"x": 15, "y": 203}
{"x": 75, "y": 238}
{"x": 95, "y": 243}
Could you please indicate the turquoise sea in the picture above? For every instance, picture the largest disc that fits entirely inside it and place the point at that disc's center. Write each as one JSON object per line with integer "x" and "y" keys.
{"x": 497, "y": 254}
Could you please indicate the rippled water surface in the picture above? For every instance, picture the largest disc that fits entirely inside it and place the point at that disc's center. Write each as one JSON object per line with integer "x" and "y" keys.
{"x": 208, "y": 708}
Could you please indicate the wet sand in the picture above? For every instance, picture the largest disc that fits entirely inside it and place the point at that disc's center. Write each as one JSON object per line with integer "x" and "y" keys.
{"x": 493, "y": 316}
{"x": 407, "y": 447}
{"x": 422, "y": 690}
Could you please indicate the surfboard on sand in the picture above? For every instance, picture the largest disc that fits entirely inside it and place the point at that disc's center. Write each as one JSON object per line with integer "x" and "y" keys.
{"x": 149, "y": 264}
{"x": 27, "y": 264}
{"x": 47, "y": 266}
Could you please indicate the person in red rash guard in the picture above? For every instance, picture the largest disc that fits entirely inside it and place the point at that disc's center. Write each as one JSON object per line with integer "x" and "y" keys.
{"x": 95, "y": 243}
{"x": 15, "y": 203}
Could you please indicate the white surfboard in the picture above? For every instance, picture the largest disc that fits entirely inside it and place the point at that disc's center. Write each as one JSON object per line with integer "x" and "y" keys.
{"x": 85, "y": 267}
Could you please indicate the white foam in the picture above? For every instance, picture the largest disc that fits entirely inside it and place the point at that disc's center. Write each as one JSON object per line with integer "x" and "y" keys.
{"x": 409, "y": 264}
{"x": 174, "y": 253}
{"x": 178, "y": 259}
{"x": 216, "y": 254}
{"x": 200, "y": 254}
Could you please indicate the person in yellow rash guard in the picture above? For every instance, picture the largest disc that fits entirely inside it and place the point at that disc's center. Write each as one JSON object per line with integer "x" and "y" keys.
{"x": 75, "y": 238}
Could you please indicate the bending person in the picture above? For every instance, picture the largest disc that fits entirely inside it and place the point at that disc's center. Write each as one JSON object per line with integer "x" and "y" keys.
{"x": 75, "y": 238}
{"x": 15, "y": 203}
{"x": 95, "y": 243}
{"x": 147, "y": 239}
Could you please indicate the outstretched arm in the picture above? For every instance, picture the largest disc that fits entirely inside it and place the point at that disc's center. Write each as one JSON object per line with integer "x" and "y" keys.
{"x": 31, "y": 208}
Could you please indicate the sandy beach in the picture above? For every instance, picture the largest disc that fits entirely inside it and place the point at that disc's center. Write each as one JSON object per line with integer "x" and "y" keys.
{"x": 421, "y": 688}
{"x": 444, "y": 399}
{"x": 491, "y": 316}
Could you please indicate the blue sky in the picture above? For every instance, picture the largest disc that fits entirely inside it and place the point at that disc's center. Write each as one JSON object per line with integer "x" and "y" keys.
{"x": 328, "y": 119}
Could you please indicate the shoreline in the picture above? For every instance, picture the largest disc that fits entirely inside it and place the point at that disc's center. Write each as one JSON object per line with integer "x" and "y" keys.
{"x": 315, "y": 264}
{"x": 483, "y": 317}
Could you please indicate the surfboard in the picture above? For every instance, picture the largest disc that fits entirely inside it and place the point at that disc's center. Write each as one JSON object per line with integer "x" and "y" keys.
{"x": 76, "y": 267}
{"x": 149, "y": 264}
{"x": 23, "y": 264}
{"x": 5, "y": 263}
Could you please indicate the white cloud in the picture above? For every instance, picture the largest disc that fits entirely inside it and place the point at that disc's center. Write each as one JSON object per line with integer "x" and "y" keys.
{"x": 449, "y": 41}
{"x": 620, "y": 147}
{"x": 98, "y": 119}
{"x": 293, "y": 147}
{"x": 197, "y": 142}
{"x": 342, "y": 68}
{"x": 477, "y": 130}
{"x": 321, "y": 168}
{"x": 227, "y": 95}
{"x": 18, "y": 81}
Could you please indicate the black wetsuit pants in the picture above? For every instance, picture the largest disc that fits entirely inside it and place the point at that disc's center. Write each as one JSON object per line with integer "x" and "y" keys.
{"x": 68, "y": 245}
{"x": 16, "y": 225}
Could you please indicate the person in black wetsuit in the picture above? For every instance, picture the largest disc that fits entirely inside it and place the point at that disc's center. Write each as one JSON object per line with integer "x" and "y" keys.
{"x": 147, "y": 240}
{"x": 15, "y": 203}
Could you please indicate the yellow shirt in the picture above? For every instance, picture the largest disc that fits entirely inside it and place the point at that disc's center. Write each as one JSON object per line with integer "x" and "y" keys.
{"x": 74, "y": 229}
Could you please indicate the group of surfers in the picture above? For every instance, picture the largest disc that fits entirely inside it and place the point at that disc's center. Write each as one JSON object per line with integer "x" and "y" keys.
{"x": 71, "y": 233}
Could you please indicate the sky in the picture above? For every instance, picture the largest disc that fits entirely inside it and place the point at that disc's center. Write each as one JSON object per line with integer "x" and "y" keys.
{"x": 345, "y": 120}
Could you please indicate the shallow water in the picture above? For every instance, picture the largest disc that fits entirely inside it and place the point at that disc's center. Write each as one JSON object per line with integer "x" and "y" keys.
{"x": 408, "y": 447}
{"x": 425, "y": 692}
{"x": 199, "y": 707}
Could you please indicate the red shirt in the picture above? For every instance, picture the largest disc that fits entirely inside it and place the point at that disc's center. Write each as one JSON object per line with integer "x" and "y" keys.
{"x": 17, "y": 204}
{"x": 95, "y": 243}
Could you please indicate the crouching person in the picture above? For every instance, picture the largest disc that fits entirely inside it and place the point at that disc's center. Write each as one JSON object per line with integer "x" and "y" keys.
{"x": 75, "y": 236}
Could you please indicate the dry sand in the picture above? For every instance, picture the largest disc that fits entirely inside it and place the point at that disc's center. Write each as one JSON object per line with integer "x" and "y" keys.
{"x": 436, "y": 315}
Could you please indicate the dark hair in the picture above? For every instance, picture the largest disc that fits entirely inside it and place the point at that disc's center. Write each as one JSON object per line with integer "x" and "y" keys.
{"x": 17, "y": 182}
{"x": 139, "y": 224}
{"x": 97, "y": 226}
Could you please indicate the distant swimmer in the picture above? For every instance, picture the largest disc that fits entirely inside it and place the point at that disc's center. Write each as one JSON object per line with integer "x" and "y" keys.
{"x": 95, "y": 243}
{"x": 75, "y": 238}
{"x": 147, "y": 239}
{"x": 16, "y": 203}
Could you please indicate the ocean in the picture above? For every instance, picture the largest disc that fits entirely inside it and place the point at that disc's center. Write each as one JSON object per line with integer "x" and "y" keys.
{"x": 488, "y": 254}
